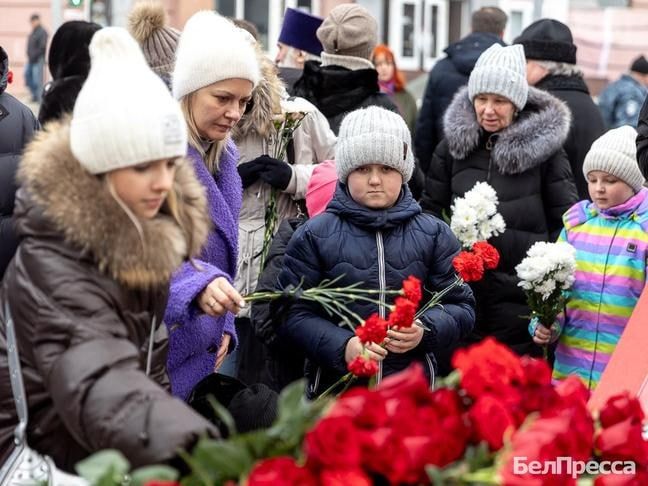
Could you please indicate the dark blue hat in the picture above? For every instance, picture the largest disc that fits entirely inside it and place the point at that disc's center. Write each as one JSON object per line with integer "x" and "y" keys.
{"x": 299, "y": 31}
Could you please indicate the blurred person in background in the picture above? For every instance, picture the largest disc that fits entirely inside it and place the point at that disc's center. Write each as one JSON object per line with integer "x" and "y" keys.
{"x": 36, "y": 47}
{"x": 621, "y": 101}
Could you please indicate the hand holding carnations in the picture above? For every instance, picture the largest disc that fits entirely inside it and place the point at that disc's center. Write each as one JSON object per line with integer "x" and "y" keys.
{"x": 403, "y": 339}
{"x": 355, "y": 348}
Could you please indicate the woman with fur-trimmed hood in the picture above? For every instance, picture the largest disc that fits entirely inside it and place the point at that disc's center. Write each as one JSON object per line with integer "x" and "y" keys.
{"x": 108, "y": 209}
{"x": 501, "y": 131}
{"x": 313, "y": 142}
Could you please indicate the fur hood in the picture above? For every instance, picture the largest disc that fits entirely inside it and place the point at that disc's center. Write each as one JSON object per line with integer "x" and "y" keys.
{"x": 266, "y": 102}
{"x": 539, "y": 131}
{"x": 79, "y": 205}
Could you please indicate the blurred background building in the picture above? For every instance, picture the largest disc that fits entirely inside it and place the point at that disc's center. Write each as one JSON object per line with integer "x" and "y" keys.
{"x": 609, "y": 33}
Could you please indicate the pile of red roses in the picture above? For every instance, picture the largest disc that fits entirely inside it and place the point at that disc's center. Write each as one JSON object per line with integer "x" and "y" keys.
{"x": 471, "y": 264}
{"x": 397, "y": 429}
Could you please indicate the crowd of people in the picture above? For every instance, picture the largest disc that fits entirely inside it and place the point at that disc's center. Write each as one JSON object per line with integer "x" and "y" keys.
{"x": 134, "y": 216}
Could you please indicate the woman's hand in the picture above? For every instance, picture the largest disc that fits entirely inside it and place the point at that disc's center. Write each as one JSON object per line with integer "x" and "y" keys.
{"x": 219, "y": 297}
{"x": 222, "y": 351}
{"x": 400, "y": 340}
{"x": 354, "y": 349}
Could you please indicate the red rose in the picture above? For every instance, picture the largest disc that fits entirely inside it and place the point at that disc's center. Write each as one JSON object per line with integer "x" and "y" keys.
{"x": 381, "y": 454}
{"x": 488, "y": 367}
{"x": 488, "y": 253}
{"x": 403, "y": 313}
{"x": 469, "y": 266}
{"x": 446, "y": 402}
{"x": 411, "y": 382}
{"x": 491, "y": 421}
{"x": 536, "y": 371}
{"x": 365, "y": 407}
{"x": 623, "y": 442}
{"x": 373, "y": 330}
{"x": 345, "y": 477}
{"x": 334, "y": 443}
{"x": 280, "y": 471}
{"x": 363, "y": 367}
{"x": 619, "y": 408}
{"x": 412, "y": 289}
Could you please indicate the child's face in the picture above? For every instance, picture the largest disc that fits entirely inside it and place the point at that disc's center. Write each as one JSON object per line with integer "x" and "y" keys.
{"x": 606, "y": 190}
{"x": 375, "y": 186}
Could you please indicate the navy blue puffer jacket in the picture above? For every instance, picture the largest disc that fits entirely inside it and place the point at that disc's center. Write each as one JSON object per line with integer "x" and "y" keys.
{"x": 380, "y": 248}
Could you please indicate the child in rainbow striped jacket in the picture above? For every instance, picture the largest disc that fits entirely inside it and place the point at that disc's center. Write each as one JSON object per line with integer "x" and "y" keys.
{"x": 610, "y": 235}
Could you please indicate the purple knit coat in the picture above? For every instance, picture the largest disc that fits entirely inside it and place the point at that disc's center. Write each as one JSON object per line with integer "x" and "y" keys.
{"x": 194, "y": 337}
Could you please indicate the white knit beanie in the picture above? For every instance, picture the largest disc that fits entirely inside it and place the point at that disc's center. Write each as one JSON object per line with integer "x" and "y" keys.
{"x": 615, "y": 152}
{"x": 124, "y": 114}
{"x": 502, "y": 71}
{"x": 373, "y": 135}
{"x": 212, "y": 49}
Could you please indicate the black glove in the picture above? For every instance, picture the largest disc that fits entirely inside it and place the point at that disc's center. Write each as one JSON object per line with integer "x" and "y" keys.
{"x": 251, "y": 171}
{"x": 275, "y": 172}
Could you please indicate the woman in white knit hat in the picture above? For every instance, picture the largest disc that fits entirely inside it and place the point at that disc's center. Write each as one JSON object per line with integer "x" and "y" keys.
{"x": 107, "y": 210}
{"x": 216, "y": 70}
{"x": 610, "y": 235}
{"x": 501, "y": 131}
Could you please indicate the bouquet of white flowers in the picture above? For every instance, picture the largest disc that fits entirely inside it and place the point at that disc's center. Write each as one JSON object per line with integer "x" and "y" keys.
{"x": 546, "y": 274}
{"x": 474, "y": 220}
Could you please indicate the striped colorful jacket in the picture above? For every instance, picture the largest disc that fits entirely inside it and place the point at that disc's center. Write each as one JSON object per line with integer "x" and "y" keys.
{"x": 611, "y": 250}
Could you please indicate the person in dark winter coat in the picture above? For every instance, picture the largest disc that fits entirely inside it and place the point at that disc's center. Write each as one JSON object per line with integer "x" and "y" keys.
{"x": 216, "y": 70}
{"x": 551, "y": 67}
{"x": 107, "y": 210}
{"x": 284, "y": 364}
{"x": 17, "y": 125}
{"x": 450, "y": 74}
{"x": 621, "y": 101}
{"x": 346, "y": 79}
{"x": 510, "y": 136}
{"x": 36, "y": 48}
{"x": 373, "y": 232}
{"x": 69, "y": 64}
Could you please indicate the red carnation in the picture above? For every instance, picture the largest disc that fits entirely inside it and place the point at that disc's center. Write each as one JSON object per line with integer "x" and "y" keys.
{"x": 403, "y": 313}
{"x": 334, "y": 443}
{"x": 363, "y": 367}
{"x": 491, "y": 421}
{"x": 488, "y": 253}
{"x": 345, "y": 477}
{"x": 469, "y": 266}
{"x": 619, "y": 408}
{"x": 280, "y": 471}
{"x": 373, "y": 330}
{"x": 412, "y": 289}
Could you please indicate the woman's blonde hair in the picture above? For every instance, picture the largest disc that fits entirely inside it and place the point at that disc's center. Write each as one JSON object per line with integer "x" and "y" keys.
{"x": 211, "y": 156}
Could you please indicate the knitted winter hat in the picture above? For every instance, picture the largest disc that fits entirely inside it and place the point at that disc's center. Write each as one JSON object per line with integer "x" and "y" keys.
{"x": 124, "y": 115}
{"x": 548, "y": 40}
{"x": 299, "y": 31}
{"x": 502, "y": 71}
{"x": 147, "y": 23}
{"x": 640, "y": 65}
{"x": 374, "y": 135}
{"x": 615, "y": 152}
{"x": 212, "y": 49}
{"x": 253, "y": 408}
{"x": 349, "y": 30}
{"x": 321, "y": 187}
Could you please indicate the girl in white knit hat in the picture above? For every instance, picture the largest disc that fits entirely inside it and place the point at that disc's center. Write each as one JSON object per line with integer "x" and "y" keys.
{"x": 375, "y": 233}
{"x": 215, "y": 72}
{"x": 107, "y": 210}
{"x": 610, "y": 234}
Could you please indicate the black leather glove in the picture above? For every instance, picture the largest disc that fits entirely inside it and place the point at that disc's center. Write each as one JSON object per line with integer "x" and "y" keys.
{"x": 275, "y": 172}
{"x": 250, "y": 171}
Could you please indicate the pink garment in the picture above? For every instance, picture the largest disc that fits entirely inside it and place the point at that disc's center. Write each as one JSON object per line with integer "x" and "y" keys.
{"x": 321, "y": 187}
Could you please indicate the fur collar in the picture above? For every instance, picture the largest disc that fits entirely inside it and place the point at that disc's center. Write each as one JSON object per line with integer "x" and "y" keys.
{"x": 266, "y": 99}
{"x": 537, "y": 133}
{"x": 79, "y": 205}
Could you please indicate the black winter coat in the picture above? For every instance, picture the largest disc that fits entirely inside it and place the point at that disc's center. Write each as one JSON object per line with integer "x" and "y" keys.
{"x": 586, "y": 124}
{"x": 336, "y": 90}
{"x": 17, "y": 125}
{"x": 445, "y": 79}
{"x": 532, "y": 177}
{"x": 642, "y": 139}
{"x": 379, "y": 248}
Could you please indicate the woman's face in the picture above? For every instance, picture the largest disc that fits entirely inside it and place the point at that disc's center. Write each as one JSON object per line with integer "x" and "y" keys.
{"x": 494, "y": 112}
{"x": 144, "y": 187}
{"x": 606, "y": 190}
{"x": 375, "y": 186}
{"x": 385, "y": 68}
{"x": 217, "y": 108}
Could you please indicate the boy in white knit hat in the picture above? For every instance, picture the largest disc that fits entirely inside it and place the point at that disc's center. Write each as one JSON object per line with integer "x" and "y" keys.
{"x": 610, "y": 235}
{"x": 375, "y": 233}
